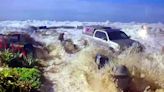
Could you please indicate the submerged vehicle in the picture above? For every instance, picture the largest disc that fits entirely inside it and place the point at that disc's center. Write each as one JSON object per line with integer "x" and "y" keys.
{"x": 18, "y": 43}
{"x": 114, "y": 39}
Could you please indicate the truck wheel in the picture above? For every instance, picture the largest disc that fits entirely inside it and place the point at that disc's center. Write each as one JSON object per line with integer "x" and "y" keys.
{"x": 112, "y": 50}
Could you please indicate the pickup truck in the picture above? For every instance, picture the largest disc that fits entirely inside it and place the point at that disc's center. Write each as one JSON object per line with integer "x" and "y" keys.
{"x": 114, "y": 39}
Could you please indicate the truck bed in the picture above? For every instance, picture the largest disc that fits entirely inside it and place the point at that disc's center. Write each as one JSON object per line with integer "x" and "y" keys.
{"x": 88, "y": 31}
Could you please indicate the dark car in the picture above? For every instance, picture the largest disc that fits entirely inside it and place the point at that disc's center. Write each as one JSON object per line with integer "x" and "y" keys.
{"x": 17, "y": 42}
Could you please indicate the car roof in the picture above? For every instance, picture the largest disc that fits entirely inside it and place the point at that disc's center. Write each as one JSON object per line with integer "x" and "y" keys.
{"x": 113, "y": 30}
{"x": 99, "y": 27}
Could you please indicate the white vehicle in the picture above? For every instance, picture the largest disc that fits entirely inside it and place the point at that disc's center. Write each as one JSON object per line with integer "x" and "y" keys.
{"x": 115, "y": 39}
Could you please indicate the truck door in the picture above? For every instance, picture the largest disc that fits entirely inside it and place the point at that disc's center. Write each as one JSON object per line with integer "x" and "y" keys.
{"x": 101, "y": 38}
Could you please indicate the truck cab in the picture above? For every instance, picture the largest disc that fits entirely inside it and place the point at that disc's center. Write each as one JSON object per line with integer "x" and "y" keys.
{"x": 114, "y": 39}
{"x": 102, "y": 39}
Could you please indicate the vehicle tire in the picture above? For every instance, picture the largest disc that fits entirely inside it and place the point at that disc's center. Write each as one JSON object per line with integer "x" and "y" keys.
{"x": 112, "y": 50}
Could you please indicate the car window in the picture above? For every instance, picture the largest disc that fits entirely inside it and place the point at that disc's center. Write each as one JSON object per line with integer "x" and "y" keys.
{"x": 117, "y": 35}
{"x": 101, "y": 35}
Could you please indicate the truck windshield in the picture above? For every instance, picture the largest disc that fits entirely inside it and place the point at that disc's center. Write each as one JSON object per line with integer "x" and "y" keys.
{"x": 117, "y": 35}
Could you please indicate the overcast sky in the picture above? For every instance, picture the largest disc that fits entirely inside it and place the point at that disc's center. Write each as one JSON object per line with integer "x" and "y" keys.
{"x": 83, "y": 10}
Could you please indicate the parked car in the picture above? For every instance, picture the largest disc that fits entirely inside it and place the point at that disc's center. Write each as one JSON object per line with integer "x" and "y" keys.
{"x": 114, "y": 39}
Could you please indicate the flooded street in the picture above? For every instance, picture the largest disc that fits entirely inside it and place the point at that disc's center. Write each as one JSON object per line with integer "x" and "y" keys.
{"x": 78, "y": 72}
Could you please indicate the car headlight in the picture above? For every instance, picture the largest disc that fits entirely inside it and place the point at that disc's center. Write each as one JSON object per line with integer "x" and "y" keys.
{"x": 135, "y": 44}
{"x": 138, "y": 46}
{"x": 117, "y": 48}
